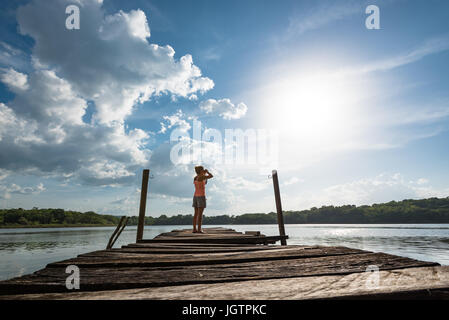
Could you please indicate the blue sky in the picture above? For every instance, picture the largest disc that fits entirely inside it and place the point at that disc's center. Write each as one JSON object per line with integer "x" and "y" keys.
{"x": 359, "y": 116}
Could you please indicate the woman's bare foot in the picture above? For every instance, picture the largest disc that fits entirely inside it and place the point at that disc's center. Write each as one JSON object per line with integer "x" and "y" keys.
{"x": 200, "y": 231}
{"x": 194, "y": 231}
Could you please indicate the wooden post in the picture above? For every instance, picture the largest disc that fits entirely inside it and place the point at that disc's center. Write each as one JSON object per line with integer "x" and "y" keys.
{"x": 277, "y": 196}
{"x": 109, "y": 245}
{"x": 143, "y": 203}
{"x": 125, "y": 222}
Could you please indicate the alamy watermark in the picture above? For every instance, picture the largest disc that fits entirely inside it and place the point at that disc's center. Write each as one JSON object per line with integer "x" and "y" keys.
{"x": 72, "y": 22}
{"x": 73, "y": 280}
{"x": 373, "y": 279}
{"x": 254, "y": 147}
{"x": 373, "y": 20}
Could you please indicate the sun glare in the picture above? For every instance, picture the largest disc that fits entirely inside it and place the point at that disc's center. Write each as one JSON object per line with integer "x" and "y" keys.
{"x": 315, "y": 108}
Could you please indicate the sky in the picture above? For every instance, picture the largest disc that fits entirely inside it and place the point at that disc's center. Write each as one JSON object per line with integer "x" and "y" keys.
{"x": 345, "y": 114}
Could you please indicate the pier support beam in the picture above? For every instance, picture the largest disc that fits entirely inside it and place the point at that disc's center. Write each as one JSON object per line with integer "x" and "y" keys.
{"x": 143, "y": 203}
{"x": 277, "y": 196}
{"x": 121, "y": 225}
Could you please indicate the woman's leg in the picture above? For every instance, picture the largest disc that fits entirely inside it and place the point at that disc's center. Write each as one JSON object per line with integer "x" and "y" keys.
{"x": 195, "y": 219}
{"x": 200, "y": 218}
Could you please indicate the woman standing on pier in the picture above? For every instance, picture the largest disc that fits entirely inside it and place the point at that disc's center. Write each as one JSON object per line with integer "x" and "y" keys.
{"x": 199, "y": 197}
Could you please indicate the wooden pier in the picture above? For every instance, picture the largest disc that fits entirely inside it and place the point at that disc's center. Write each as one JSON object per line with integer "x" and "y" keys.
{"x": 225, "y": 264}
{"x": 222, "y": 263}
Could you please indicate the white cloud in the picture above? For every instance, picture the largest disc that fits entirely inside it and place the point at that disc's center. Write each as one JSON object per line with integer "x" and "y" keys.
{"x": 108, "y": 63}
{"x": 211, "y": 54}
{"x": 224, "y": 108}
{"x": 175, "y": 121}
{"x": 42, "y": 129}
{"x": 422, "y": 181}
{"x": 292, "y": 180}
{"x": 15, "y": 131}
{"x": 121, "y": 68}
{"x": 417, "y": 114}
{"x": 134, "y": 23}
{"x": 241, "y": 183}
{"x": 3, "y": 174}
{"x": 382, "y": 188}
{"x": 322, "y": 15}
{"x": 6, "y": 191}
{"x": 12, "y": 57}
{"x": 431, "y": 46}
{"x": 50, "y": 100}
{"x": 15, "y": 81}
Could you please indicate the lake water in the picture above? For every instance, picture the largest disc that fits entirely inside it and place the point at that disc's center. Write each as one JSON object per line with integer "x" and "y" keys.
{"x": 24, "y": 251}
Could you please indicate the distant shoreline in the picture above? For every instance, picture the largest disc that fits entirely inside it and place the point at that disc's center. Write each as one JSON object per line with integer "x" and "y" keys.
{"x": 227, "y": 224}
{"x": 55, "y": 226}
{"x": 423, "y": 211}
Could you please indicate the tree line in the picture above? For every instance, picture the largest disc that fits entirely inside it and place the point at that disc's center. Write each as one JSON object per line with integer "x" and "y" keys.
{"x": 432, "y": 210}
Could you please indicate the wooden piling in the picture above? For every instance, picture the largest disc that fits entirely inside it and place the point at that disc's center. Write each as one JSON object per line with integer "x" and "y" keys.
{"x": 111, "y": 239}
{"x": 143, "y": 203}
{"x": 277, "y": 196}
{"x": 124, "y": 223}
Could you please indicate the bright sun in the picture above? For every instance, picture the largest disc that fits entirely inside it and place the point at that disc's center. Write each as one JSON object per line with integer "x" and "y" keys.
{"x": 314, "y": 108}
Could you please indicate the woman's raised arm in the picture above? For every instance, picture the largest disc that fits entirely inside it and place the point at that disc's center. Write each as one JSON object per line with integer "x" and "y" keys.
{"x": 209, "y": 175}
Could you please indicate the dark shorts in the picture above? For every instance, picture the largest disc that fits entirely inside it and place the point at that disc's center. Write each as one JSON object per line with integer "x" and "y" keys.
{"x": 199, "y": 202}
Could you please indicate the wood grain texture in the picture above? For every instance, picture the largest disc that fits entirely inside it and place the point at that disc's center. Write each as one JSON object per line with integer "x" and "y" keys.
{"x": 125, "y": 260}
{"x": 411, "y": 283}
{"x": 217, "y": 239}
{"x": 185, "y": 249}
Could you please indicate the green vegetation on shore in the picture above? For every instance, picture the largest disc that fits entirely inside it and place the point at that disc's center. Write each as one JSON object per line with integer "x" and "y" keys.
{"x": 41, "y": 218}
{"x": 433, "y": 210}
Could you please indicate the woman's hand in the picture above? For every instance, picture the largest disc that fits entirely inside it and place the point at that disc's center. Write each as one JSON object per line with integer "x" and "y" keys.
{"x": 209, "y": 175}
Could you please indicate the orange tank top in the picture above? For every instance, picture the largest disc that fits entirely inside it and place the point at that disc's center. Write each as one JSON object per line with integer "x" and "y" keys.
{"x": 200, "y": 188}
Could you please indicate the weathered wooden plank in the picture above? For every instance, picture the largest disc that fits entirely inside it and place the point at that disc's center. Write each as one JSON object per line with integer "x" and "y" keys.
{"x": 207, "y": 231}
{"x": 124, "y": 260}
{"x": 181, "y": 250}
{"x": 193, "y": 245}
{"x": 94, "y": 279}
{"x": 411, "y": 283}
{"x": 217, "y": 239}
{"x": 199, "y": 235}
{"x": 205, "y": 246}
{"x": 275, "y": 252}
{"x": 150, "y": 251}
{"x": 253, "y": 233}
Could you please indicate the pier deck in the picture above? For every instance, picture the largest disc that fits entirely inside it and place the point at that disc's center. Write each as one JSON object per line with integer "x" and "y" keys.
{"x": 225, "y": 264}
